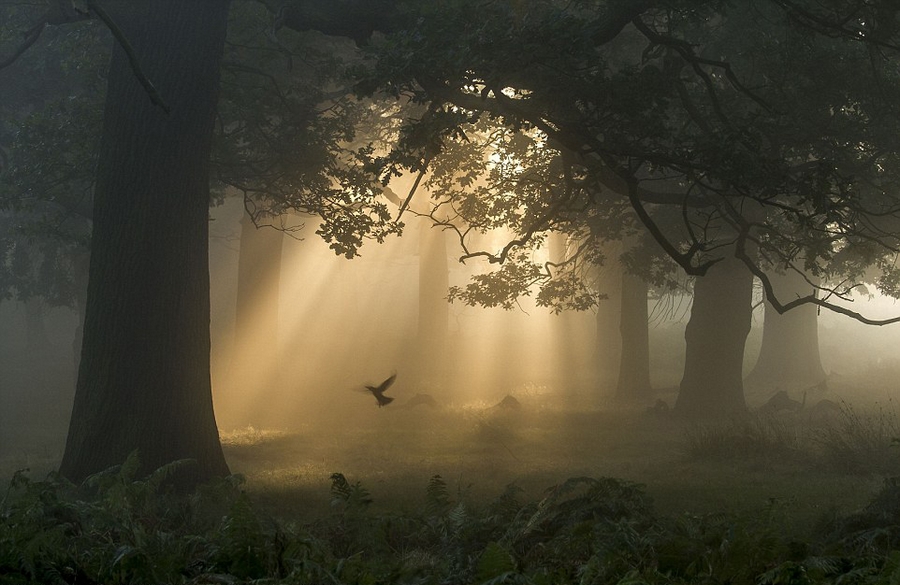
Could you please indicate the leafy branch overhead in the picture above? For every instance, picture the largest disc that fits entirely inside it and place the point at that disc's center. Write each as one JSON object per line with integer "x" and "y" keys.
{"x": 703, "y": 125}
{"x": 724, "y": 116}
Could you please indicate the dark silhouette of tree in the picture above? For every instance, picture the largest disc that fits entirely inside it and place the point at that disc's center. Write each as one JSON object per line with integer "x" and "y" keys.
{"x": 144, "y": 380}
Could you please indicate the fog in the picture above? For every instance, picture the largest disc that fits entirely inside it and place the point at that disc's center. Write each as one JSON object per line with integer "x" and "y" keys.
{"x": 344, "y": 324}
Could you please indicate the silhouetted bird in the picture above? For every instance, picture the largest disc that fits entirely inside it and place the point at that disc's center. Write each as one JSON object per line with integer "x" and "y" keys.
{"x": 378, "y": 392}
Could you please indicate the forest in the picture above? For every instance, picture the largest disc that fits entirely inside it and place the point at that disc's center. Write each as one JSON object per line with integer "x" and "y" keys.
{"x": 451, "y": 292}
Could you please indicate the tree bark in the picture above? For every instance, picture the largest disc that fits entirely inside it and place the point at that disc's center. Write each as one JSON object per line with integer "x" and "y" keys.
{"x": 715, "y": 337}
{"x": 789, "y": 356}
{"x": 144, "y": 380}
{"x": 634, "y": 366}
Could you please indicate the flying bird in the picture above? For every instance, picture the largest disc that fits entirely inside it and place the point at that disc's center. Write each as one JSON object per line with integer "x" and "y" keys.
{"x": 378, "y": 391}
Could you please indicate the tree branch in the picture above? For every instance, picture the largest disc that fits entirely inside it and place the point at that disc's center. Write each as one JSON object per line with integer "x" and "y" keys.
{"x": 148, "y": 86}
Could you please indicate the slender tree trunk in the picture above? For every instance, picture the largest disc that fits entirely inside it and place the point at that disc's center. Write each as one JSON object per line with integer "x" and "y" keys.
{"x": 144, "y": 380}
{"x": 634, "y": 367}
{"x": 715, "y": 337}
{"x": 563, "y": 351}
{"x": 434, "y": 310}
{"x": 255, "y": 357}
{"x": 789, "y": 356}
{"x": 608, "y": 357}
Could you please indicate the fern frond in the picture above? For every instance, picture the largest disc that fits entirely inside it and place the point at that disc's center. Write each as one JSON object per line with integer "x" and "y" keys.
{"x": 495, "y": 561}
{"x": 437, "y": 498}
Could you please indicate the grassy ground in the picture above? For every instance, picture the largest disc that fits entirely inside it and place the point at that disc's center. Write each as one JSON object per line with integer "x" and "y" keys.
{"x": 393, "y": 452}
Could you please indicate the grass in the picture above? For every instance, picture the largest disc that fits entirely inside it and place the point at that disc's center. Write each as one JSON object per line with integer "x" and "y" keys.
{"x": 859, "y": 441}
{"x": 739, "y": 469}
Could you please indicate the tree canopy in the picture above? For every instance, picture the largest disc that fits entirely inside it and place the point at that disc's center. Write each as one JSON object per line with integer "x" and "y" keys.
{"x": 725, "y": 126}
{"x": 714, "y": 126}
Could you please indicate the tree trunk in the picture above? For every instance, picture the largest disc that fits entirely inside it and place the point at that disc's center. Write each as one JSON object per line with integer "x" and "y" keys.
{"x": 608, "y": 357}
{"x": 562, "y": 353}
{"x": 634, "y": 367}
{"x": 144, "y": 380}
{"x": 434, "y": 310}
{"x": 789, "y": 356}
{"x": 715, "y": 337}
{"x": 254, "y": 362}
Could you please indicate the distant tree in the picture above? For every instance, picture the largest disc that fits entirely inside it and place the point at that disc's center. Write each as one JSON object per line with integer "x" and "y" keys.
{"x": 789, "y": 356}
{"x": 434, "y": 311}
{"x": 634, "y": 368}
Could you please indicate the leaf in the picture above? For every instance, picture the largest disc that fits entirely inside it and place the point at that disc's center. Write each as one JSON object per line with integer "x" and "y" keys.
{"x": 494, "y": 562}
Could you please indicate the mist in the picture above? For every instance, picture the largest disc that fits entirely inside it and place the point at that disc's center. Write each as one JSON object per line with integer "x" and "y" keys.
{"x": 344, "y": 324}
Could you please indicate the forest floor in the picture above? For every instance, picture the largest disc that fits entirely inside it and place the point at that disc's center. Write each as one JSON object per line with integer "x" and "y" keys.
{"x": 804, "y": 472}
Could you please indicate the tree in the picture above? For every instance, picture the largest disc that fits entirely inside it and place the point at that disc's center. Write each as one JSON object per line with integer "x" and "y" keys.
{"x": 434, "y": 311}
{"x": 144, "y": 379}
{"x": 254, "y": 358}
{"x": 50, "y": 112}
{"x": 634, "y": 367}
{"x": 789, "y": 355}
{"x": 712, "y": 384}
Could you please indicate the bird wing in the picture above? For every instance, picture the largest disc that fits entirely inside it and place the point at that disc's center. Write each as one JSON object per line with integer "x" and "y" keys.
{"x": 387, "y": 383}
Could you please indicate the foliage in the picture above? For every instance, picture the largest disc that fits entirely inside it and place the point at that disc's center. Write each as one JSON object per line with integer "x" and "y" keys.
{"x": 713, "y": 124}
{"x": 116, "y": 528}
{"x": 50, "y": 122}
{"x": 288, "y": 128}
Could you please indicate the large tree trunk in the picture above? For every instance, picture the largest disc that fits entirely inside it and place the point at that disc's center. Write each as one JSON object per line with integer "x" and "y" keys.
{"x": 715, "y": 337}
{"x": 144, "y": 380}
{"x": 789, "y": 356}
{"x": 634, "y": 367}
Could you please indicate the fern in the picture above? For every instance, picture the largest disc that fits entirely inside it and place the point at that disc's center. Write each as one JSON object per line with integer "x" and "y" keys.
{"x": 494, "y": 562}
{"x": 890, "y": 571}
{"x": 437, "y": 498}
{"x": 351, "y": 498}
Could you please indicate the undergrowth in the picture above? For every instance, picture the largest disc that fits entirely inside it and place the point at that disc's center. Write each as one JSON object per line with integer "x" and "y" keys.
{"x": 117, "y": 528}
{"x": 847, "y": 440}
